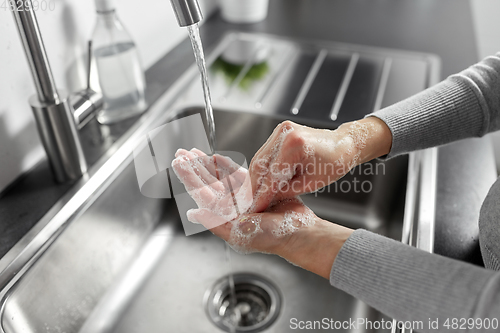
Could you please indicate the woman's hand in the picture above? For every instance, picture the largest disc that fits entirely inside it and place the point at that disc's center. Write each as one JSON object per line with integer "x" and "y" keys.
{"x": 216, "y": 184}
{"x": 221, "y": 190}
{"x": 287, "y": 228}
{"x": 297, "y": 159}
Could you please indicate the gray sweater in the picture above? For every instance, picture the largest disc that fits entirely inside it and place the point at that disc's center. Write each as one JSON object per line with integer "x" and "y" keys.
{"x": 409, "y": 284}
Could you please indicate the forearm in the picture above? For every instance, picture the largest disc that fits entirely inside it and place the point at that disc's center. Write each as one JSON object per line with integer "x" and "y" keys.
{"x": 327, "y": 237}
{"x": 412, "y": 285}
{"x": 401, "y": 281}
{"x": 463, "y": 106}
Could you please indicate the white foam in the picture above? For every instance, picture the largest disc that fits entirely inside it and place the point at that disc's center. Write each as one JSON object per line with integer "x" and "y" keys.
{"x": 309, "y": 150}
{"x": 274, "y": 174}
{"x": 287, "y": 226}
{"x": 244, "y": 197}
{"x": 243, "y": 232}
{"x": 351, "y": 145}
{"x": 287, "y": 129}
{"x": 283, "y": 175}
{"x": 292, "y": 220}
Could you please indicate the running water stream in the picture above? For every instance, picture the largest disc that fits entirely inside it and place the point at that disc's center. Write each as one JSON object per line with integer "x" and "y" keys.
{"x": 194, "y": 35}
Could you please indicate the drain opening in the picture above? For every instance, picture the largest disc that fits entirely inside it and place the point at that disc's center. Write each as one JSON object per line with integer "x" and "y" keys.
{"x": 257, "y": 304}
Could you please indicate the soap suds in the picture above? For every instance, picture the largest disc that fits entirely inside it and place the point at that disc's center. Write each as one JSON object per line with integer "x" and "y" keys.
{"x": 308, "y": 150}
{"x": 292, "y": 220}
{"x": 352, "y": 145}
{"x": 243, "y": 231}
{"x": 268, "y": 167}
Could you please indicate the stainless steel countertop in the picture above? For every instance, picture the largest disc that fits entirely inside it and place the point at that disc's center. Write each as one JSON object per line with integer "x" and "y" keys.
{"x": 442, "y": 27}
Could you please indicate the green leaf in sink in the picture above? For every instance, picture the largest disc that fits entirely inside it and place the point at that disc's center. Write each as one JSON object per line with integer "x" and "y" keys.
{"x": 230, "y": 71}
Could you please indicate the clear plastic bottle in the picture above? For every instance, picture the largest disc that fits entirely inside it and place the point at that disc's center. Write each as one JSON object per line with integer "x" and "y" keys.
{"x": 121, "y": 77}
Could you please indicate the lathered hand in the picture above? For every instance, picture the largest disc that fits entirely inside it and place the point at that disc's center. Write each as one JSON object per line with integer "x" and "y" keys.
{"x": 222, "y": 191}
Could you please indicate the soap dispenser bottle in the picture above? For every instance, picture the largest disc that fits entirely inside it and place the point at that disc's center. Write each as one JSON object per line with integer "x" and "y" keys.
{"x": 121, "y": 77}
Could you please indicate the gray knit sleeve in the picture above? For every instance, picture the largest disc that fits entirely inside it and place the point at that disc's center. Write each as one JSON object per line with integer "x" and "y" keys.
{"x": 462, "y": 106}
{"x": 412, "y": 285}
{"x": 401, "y": 281}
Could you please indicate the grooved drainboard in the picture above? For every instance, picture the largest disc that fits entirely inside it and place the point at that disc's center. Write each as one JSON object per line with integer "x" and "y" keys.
{"x": 326, "y": 82}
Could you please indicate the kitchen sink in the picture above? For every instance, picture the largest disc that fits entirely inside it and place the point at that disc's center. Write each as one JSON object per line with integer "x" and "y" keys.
{"x": 109, "y": 259}
{"x": 94, "y": 256}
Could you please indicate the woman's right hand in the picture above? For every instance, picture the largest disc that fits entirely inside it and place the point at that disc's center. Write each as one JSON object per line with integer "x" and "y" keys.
{"x": 298, "y": 159}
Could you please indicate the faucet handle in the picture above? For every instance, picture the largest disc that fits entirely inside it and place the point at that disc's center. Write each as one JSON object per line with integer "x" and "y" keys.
{"x": 89, "y": 62}
{"x": 86, "y": 102}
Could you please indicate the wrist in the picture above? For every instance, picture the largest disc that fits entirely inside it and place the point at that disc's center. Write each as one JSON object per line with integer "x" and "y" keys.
{"x": 315, "y": 248}
{"x": 379, "y": 140}
{"x": 371, "y": 136}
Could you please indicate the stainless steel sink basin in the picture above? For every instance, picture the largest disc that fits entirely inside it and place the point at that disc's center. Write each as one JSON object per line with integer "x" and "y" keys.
{"x": 108, "y": 259}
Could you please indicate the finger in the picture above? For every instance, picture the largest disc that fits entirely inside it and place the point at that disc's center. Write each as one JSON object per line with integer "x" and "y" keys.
{"x": 199, "y": 169}
{"x": 225, "y": 203}
{"x": 215, "y": 223}
{"x": 267, "y": 146}
{"x": 235, "y": 183}
{"x": 272, "y": 182}
{"x": 209, "y": 167}
{"x": 199, "y": 166}
{"x": 198, "y": 152}
{"x": 227, "y": 163}
{"x": 226, "y": 208}
{"x": 184, "y": 171}
{"x": 232, "y": 168}
{"x": 221, "y": 163}
{"x": 180, "y": 152}
{"x": 208, "y": 161}
{"x": 263, "y": 184}
{"x": 244, "y": 196}
{"x": 239, "y": 190}
{"x": 258, "y": 173}
{"x": 202, "y": 194}
{"x": 259, "y": 168}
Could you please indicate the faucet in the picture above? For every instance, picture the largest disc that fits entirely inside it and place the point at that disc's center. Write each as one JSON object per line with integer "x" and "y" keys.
{"x": 187, "y": 12}
{"x": 58, "y": 115}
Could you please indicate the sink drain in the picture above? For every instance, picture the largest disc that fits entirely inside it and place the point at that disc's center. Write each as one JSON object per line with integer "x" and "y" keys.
{"x": 257, "y": 304}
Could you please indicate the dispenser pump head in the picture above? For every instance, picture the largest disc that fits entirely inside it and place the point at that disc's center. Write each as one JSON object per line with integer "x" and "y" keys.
{"x": 188, "y": 12}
